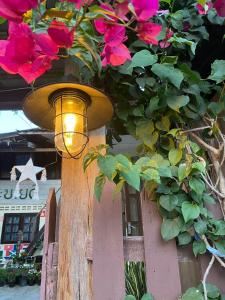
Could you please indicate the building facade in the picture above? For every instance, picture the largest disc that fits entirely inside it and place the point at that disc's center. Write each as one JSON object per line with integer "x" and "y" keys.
{"x": 23, "y": 216}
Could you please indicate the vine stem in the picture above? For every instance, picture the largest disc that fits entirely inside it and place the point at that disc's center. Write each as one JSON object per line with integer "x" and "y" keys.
{"x": 196, "y": 129}
{"x": 206, "y": 146}
{"x": 220, "y": 261}
{"x": 206, "y": 275}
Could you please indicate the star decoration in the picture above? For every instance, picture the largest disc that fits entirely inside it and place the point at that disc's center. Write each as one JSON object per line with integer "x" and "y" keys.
{"x": 28, "y": 172}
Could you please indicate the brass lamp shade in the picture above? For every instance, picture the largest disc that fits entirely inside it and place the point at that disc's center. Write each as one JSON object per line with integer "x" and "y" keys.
{"x": 39, "y": 109}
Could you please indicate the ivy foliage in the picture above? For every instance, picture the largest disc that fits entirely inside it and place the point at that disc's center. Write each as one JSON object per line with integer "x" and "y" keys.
{"x": 159, "y": 98}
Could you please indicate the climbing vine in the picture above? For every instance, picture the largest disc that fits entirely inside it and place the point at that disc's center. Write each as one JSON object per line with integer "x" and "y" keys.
{"x": 167, "y": 92}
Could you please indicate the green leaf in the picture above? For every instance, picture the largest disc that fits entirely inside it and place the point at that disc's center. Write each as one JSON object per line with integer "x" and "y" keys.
{"x": 144, "y": 128}
{"x": 183, "y": 172}
{"x": 208, "y": 199}
{"x": 168, "y": 72}
{"x": 147, "y": 297}
{"x": 182, "y": 41}
{"x": 212, "y": 290}
{"x": 199, "y": 247}
{"x": 170, "y": 228}
{"x": 200, "y": 227}
{"x": 107, "y": 165}
{"x": 200, "y": 166}
{"x": 176, "y": 102}
{"x": 169, "y": 202}
{"x": 165, "y": 172}
{"x": 99, "y": 184}
{"x": 197, "y": 185}
{"x": 151, "y": 174}
{"x": 218, "y": 71}
{"x": 220, "y": 245}
{"x": 190, "y": 211}
{"x": 218, "y": 227}
{"x": 184, "y": 238}
{"x": 143, "y": 58}
{"x": 192, "y": 294}
{"x": 175, "y": 155}
{"x": 132, "y": 177}
{"x": 164, "y": 124}
{"x": 123, "y": 161}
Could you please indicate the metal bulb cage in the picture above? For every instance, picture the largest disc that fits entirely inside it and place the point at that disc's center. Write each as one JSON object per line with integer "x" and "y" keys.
{"x": 72, "y": 96}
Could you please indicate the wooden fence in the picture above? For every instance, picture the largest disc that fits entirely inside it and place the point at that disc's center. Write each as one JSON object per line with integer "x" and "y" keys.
{"x": 167, "y": 271}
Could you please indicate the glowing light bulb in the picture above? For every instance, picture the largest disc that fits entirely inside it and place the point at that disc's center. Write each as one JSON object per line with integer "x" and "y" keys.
{"x": 70, "y": 122}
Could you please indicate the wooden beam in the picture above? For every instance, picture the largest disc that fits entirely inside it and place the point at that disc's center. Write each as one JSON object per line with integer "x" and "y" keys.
{"x": 27, "y": 150}
{"x": 76, "y": 225}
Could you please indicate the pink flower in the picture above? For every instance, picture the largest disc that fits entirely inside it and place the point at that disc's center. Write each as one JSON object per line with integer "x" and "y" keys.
{"x": 101, "y": 24}
{"x": 164, "y": 43}
{"x": 25, "y": 53}
{"x": 13, "y": 10}
{"x": 61, "y": 34}
{"x": 148, "y": 32}
{"x": 114, "y": 35}
{"x": 115, "y": 56}
{"x": 203, "y": 9}
{"x": 121, "y": 10}
{"x": 79, "y": 3}
{"x": 145, "y": 9}
{"x": 219, "y": 5}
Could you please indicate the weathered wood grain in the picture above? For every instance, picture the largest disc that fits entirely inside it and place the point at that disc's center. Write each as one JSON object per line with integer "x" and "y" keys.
{"x": 49, "y": 237}
{"x": 108, "y": 259}
{"x": 161, "y": 261}
{"x": 75, "y": 226}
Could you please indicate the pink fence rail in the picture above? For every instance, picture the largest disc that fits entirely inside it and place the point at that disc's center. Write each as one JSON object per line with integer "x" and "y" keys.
{"x": 166, "y": 275}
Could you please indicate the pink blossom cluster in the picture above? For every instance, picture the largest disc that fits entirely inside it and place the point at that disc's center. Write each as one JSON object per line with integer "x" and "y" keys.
{"x": 26, "y": 53}
{"x": 115, "y": 51}
{"x": 219, "y": 6}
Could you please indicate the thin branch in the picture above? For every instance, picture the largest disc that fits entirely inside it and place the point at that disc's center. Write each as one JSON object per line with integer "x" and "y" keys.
{"x": 212, "y": 188}
{"x": 196, "y": 129}
{"x": 215, "y": 151}
{"x": 206, "y": 275}
{"x": 221, "y": 262}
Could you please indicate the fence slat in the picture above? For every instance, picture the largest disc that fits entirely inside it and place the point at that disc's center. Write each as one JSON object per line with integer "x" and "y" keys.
{"x": 49, "y": 237}
{"x": 108, "y": 259}
{"x": 161, "y": 260}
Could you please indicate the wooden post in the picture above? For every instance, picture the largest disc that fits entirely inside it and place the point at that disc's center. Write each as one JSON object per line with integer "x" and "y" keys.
{"x": 75, "y": 226}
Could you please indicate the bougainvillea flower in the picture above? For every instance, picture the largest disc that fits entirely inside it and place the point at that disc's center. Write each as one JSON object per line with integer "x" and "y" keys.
{"x": 115, "y": 56}
{"x": 121, "y": 10}
{"x": 145, "y": 9}
{"x": 219, "y": 5}
{"x": 13, "y": 10}
{"x": 101, "y": 25}
{"x": 148, "y": 32}
{"x": 115, "y": 35}
{"x": 26, "y": 53}
{"x": 203, "y": 9}
{"x": 61, "y": 34}
{"x": 79, "y": 3}
{"x": 164, "y": 43}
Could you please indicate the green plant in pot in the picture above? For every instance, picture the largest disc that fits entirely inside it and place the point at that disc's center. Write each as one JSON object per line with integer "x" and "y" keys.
{"x": 31, "y": 277}
{"x": 2, "y": 277}
{"x": 11, "y": 277}
{"x": 22, "y": 274}
{"x": 38, "y": 277}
